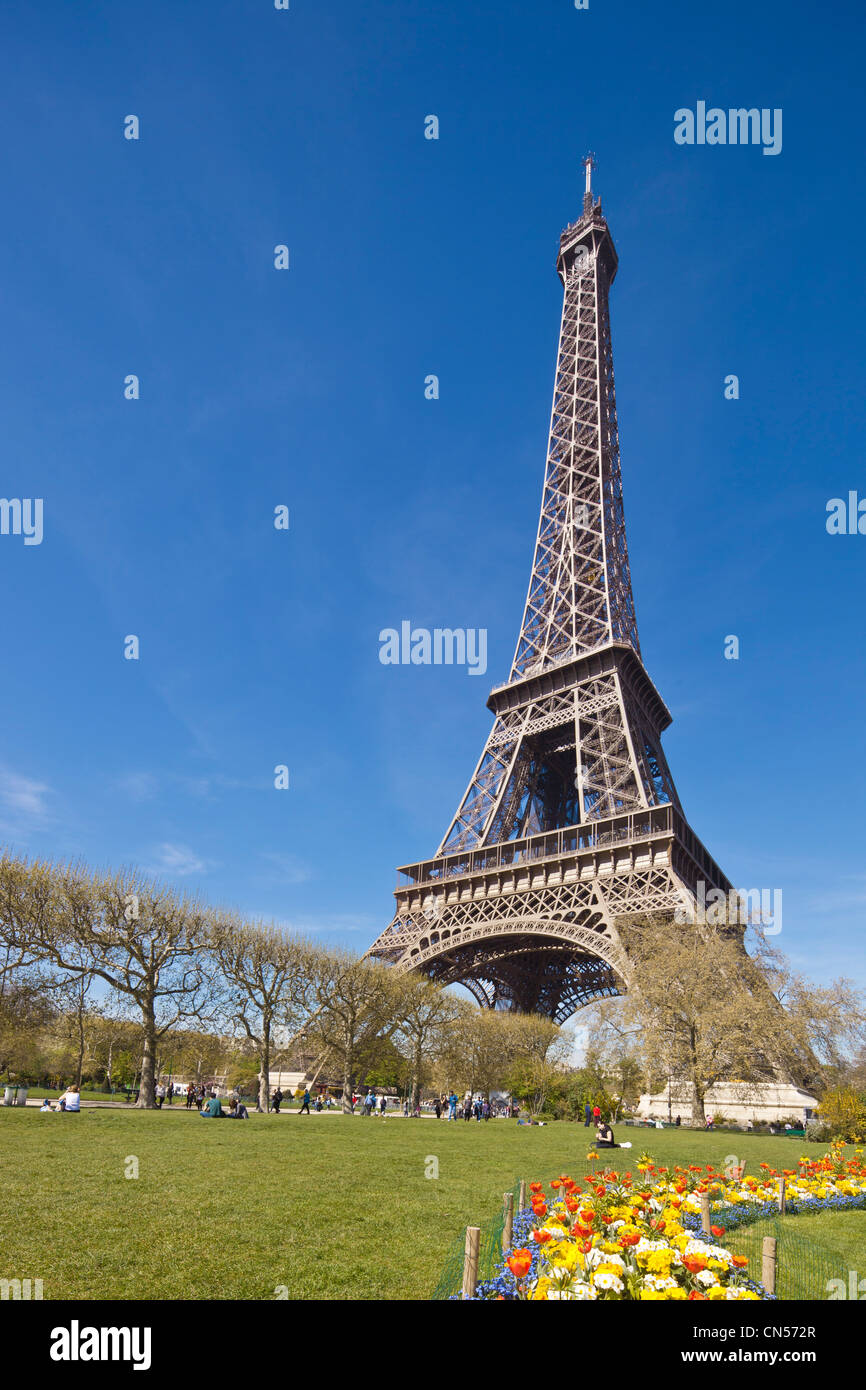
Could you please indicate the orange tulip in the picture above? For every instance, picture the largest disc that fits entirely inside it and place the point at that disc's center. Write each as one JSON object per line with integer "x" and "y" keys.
{"x": 519, "y": 1263}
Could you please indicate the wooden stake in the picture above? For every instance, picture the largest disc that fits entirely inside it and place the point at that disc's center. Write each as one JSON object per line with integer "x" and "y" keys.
{"x": 521, "y": 1196}
{"x": 470, "y": 1261}
{"x": 768, "y": 1264}
{"x": 705, "y": 1213}
{"x": 782, "y": 1194}
{"x": 508, "y": 1224}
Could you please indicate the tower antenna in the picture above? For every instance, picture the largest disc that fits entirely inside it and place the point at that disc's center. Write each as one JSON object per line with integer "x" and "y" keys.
{"x": 590, "y": 162}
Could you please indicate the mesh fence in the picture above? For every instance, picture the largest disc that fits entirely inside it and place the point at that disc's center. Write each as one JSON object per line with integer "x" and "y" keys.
{"x": 489, "y": 1253}
{"x": 804, "y": 1270}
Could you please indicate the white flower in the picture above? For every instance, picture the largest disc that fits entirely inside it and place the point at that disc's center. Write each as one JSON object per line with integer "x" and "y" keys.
{"x": 706, "y": 1277}
{"x": 657, "y": 1283}
{"x": 583, "y": 1291}
{"x": 603, "y": 1279}
{"x": 597, "y": 1256}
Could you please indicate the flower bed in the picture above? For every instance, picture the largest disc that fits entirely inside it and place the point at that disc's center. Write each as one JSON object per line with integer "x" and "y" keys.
{"x": 618, "y": 1236}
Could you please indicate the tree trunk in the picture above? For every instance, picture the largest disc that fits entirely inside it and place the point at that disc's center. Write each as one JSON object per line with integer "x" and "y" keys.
{"x": 416, "y": 1079}
{"x": 146, "y": 1098}
{"x": 265, "y": 1064}
{"x": 699, "y": 1117}
{"x": 348, "y": 1066}
{"x": 81, "y": 1045}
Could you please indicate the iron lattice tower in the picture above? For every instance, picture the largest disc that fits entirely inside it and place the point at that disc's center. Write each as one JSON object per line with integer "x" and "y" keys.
{"x": 571, "y": 820}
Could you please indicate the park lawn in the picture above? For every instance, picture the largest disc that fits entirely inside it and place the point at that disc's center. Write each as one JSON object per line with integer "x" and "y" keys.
{"x": 329, "y": 1206}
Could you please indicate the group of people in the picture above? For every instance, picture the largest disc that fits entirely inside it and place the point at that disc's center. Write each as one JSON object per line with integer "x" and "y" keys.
{"x": 212, "y": 1109}
{"x": 471, "y": 1107}
{"x": 303, "y": 1095}
{"x": 371, "y": 1104}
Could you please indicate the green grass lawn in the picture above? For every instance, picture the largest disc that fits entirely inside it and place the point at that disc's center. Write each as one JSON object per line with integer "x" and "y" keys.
{"x": 330, "y": 1206}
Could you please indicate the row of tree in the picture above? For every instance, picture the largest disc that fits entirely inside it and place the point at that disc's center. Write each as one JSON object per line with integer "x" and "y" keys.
{"x": 177, "y": 971}
{"x": 699, "y": 1010}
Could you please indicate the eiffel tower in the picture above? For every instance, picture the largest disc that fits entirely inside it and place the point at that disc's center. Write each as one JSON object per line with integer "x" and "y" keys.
{"x": 571, "y": 821}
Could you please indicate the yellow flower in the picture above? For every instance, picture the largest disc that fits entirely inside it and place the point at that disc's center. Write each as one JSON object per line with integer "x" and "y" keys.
{"x": 660, "y": 1261}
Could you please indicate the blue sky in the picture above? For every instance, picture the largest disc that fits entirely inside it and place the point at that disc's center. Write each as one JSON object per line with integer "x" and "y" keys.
{"x": 306, "y": 388}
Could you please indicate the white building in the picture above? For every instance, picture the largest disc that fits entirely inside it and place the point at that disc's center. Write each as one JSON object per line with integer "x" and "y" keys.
{"x": 739, "y": 1101}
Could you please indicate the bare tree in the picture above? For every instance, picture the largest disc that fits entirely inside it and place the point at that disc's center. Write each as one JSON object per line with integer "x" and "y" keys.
{"x": 268, "y": 985}
{"x": 703, "y": 1010}
{"x": 426, "y": 1011}
{"x": 146, "y": 941}
{"x": 356, "y": 1002}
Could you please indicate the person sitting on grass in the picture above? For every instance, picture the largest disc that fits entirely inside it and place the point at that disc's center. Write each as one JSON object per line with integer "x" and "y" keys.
{"x": 212, "y": 1110}
{"x": 46, "y": 1105}
{"x": 70, "y": 1101}
{"x": 604, "y": 1137}
{"x": 237, "y": 1111}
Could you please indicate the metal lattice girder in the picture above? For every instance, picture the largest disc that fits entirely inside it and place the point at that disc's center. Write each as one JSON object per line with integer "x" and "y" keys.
{"x": 579, "y": 593}
{"x": 571, "y": 820}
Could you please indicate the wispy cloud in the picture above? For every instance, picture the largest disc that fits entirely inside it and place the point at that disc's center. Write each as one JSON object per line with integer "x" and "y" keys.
{"x": 178, "y": 860}
{"x": 140, "y": 786}
{"x": 332, "y": 924}
{"x": 848, "y": 891}
{"x": 285, "y": 868}
{"x": 23, "y": 795}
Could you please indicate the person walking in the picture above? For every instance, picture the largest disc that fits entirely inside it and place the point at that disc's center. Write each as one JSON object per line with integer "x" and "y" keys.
{"x": 587, "y": 1115}
{"x": 277, "y": 1100}
{"x": 485, "y": 1110}
{"x": 452, "y": 1106}
{"x": 305, "y": 1103}
{"x": 437, "y": 1106}
{"x": 596, "y": 1115}
{"x": 169, "y": 1091}
{"x": 383, "y": 1101}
